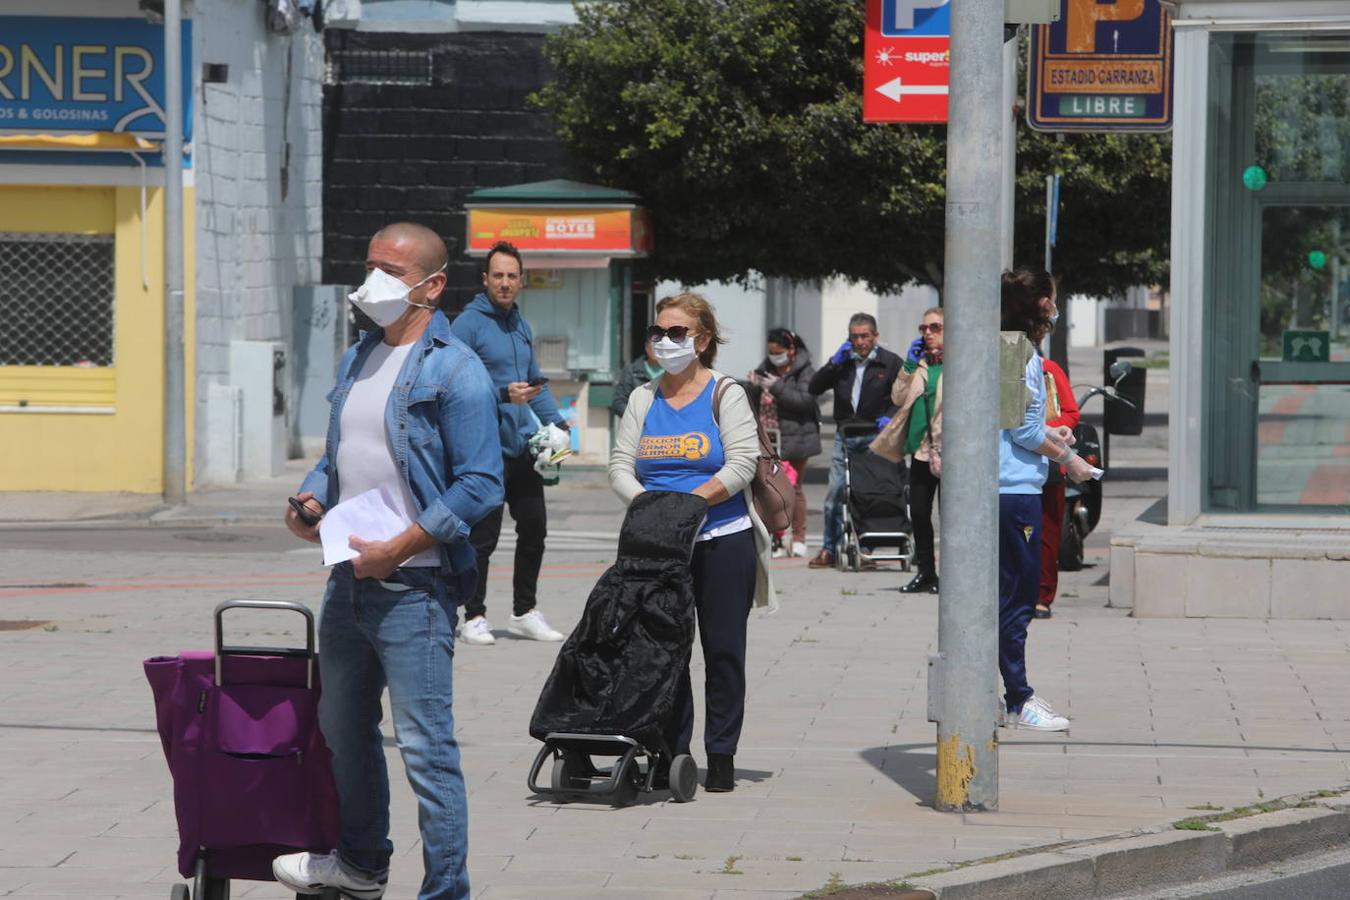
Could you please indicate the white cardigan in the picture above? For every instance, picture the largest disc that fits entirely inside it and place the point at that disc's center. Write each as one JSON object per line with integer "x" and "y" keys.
{"x": 740, "y": 444}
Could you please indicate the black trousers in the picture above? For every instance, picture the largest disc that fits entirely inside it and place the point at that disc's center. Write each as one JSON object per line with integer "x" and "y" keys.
{"x": 923, "y": 489}
{"x": 525, "y": 498}
{"x": 724, "y": 591}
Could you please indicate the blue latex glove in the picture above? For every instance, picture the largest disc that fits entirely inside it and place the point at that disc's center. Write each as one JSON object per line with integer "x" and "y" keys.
{"x": 916, "y": 350}
{"x": 842, "y": 353}
{"x": 882, "y": 421}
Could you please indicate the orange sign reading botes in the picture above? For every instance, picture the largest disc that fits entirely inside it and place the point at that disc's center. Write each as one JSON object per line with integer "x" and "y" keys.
{"x": 625, "y": 231}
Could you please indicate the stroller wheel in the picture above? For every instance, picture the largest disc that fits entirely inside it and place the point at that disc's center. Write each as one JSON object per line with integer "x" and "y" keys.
{"x": 683, "y": 778}
{"x": 179, "y": 892}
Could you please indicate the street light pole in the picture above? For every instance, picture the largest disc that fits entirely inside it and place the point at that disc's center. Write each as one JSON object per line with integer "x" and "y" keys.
{"x": 961, "y": 681}
{"x": 175, "y": 429}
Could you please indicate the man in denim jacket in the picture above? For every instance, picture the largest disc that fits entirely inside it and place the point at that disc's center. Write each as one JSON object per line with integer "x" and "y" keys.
{"x": 413, "y": 417}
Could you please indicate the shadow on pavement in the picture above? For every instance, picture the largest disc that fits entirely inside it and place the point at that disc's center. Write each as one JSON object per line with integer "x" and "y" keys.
{"x": 916, "y": 772}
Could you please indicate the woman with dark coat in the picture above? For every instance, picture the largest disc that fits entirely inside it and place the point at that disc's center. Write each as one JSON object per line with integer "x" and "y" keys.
{"x": 781, "y": 399}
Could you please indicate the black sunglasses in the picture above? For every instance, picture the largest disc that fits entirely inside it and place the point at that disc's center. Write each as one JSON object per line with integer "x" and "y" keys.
{"x": 676, "y": 333}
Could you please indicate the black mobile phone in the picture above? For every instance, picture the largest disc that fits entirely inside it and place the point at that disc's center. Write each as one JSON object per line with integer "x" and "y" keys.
{"x": 535, "y": 382}
{"x": 304, "y": 512}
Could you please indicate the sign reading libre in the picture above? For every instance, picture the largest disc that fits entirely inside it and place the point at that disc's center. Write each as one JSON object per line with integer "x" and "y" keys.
{"x": 62, "y": 73}
{"x": 906, "y": 60}
{"x": 1102, "y": 67}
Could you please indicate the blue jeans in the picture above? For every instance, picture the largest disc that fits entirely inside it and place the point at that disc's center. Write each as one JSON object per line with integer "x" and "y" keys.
{"x": 1019, "y": 585}
{"x": 372, "y": 635}
{"x": 834, "y": 494}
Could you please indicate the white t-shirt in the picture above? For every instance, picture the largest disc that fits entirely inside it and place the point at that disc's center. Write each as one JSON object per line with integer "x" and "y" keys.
{"x": 365, "y": 457}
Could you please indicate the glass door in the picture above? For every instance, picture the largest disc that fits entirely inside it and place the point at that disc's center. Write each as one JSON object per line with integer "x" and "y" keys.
{"x": 1277, "y": 345}
{"x": 1302, "y": 370}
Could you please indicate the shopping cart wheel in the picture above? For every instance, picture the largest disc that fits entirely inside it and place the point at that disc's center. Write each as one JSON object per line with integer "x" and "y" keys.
{"x": 207, "y": 888}
{"x": 569, "y": 772}
{"x": 180, "y": 892}
{"x": 630, "y": 783}
{"x": 683, "y": 778}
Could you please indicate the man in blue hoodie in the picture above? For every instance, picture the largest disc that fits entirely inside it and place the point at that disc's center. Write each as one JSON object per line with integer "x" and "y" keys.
{"x": 494, "y": 328}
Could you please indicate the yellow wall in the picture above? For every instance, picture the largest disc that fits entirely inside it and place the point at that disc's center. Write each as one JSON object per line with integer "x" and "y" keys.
{"x": 121, "y": 450}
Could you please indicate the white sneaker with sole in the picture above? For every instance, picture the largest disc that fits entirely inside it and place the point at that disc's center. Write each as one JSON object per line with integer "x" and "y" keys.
{"x": 477, "y": 630}
{"x": 799, "y": 549}
{"x": 534, "y": 626}
{"x": 312, "y": 873}
{"x": 1038, "y": 716}
{"x": 779, "y": 553}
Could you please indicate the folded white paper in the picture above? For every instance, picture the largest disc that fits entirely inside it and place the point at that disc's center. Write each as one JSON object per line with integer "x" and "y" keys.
{"x": 366, "y": 516}
{"x": 1096, "y": 472}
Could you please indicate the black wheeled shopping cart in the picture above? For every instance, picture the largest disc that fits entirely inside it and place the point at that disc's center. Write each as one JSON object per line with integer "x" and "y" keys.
{"x": 612, "y": 690}
{"x": 876, "y": 512}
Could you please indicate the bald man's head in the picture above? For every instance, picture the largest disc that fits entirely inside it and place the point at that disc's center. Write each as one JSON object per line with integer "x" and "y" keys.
{"x": 421, "y": 246}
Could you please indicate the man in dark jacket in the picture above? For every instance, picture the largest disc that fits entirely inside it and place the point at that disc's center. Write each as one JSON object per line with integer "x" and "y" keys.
{"x": 493, "y": 328}
{"x": 861, "y": 374}
{"x": 634, "y": 375}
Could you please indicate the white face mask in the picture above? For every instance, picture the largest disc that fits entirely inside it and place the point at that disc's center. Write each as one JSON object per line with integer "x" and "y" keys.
{"x": 674, "y": 356}
{"x": 384, "y": 298}
{"x": 778, "y": 359}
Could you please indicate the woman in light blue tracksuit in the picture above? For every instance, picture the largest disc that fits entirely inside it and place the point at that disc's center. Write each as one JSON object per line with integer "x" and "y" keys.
{"x": 1024, "y": 452}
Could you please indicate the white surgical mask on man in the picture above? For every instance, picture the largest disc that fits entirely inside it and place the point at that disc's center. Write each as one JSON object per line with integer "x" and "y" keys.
{"x": 384, "y": 298}
{"x": 778, "y": 359}
{"x": 674, "y": 356}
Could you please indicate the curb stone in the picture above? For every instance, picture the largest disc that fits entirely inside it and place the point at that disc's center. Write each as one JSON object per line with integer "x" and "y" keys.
{"x": 1155, "y": 858}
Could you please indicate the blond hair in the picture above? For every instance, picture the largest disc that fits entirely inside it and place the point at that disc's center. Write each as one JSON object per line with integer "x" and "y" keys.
{"x": 701, "y": 311}
{"x": 933, "y": 311}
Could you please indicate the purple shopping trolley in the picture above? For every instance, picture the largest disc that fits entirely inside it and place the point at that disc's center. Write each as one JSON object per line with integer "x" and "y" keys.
{"x": 252, "y": 776}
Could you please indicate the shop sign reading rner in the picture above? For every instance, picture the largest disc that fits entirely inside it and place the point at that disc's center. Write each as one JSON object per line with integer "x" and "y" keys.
{"x": 65, "y": 73}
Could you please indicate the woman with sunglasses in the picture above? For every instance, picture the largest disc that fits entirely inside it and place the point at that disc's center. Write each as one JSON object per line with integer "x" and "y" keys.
{"x": 671, "y": 439}
{"x": 916, "y": 431}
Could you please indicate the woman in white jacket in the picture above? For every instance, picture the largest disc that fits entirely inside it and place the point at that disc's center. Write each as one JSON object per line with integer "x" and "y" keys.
{"x": 671, "y": 438}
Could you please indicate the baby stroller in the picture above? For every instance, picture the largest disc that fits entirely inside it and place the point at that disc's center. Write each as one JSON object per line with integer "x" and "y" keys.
{"x": 613, "y": 686}
{"x": 252, "y": 776}
{"x": 876, "y": 513}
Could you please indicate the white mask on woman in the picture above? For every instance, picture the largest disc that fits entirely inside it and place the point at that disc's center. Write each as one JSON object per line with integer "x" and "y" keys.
{"x": 778, "y": 359}
{"x": 384, "y": 298}
{"x": 675, "y": 356}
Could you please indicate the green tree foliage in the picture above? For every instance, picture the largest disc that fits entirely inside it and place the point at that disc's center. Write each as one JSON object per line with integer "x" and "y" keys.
{"x": 740, "y": 123}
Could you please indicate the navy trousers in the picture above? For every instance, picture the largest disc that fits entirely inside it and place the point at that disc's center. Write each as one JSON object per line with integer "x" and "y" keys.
{"x": 1019, "y": 580}
{"x": 724, "y": 591}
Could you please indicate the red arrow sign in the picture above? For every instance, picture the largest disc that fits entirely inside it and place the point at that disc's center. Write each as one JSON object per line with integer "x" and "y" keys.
{"x": 904, "y": 78}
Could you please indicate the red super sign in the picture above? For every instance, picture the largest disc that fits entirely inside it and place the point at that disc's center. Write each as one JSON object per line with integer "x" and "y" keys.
{"x": 905, "y": 76}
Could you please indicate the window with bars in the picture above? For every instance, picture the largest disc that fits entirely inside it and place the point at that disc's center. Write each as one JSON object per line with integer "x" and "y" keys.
{"x": 56, "y": 299}
{"x": 379, "y": 67}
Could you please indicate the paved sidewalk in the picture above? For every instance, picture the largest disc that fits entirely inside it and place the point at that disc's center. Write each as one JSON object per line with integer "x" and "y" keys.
{"x": 835, "y": 767}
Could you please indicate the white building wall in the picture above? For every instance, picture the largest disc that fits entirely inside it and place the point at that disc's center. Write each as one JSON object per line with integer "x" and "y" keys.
{"x": 255, "y": 243}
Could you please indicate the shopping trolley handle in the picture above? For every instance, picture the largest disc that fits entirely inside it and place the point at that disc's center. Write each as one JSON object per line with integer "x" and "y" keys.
{"x": 290, "y": 606}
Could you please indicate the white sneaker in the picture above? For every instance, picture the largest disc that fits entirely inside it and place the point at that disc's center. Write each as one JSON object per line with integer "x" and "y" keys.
{"x": 311, "y": 873}
{"x": 799, "y": 549}
{"x": 1038, "y": 716}
{"x": 779, "y": 552}
{"x": 477, "y": 630}
{"x": 534, "y": 626}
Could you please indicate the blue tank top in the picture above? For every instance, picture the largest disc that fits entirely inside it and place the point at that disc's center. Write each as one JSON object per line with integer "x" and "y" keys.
{"x": 681, "y": 449}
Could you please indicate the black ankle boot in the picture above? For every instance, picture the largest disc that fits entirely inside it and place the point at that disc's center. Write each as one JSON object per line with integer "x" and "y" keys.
{"x": 721, "y": 776}
{"x": 922, "y": 583}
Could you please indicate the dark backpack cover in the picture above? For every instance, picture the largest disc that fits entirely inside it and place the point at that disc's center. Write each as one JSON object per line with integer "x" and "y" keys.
{"x": 618, "y": 671}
